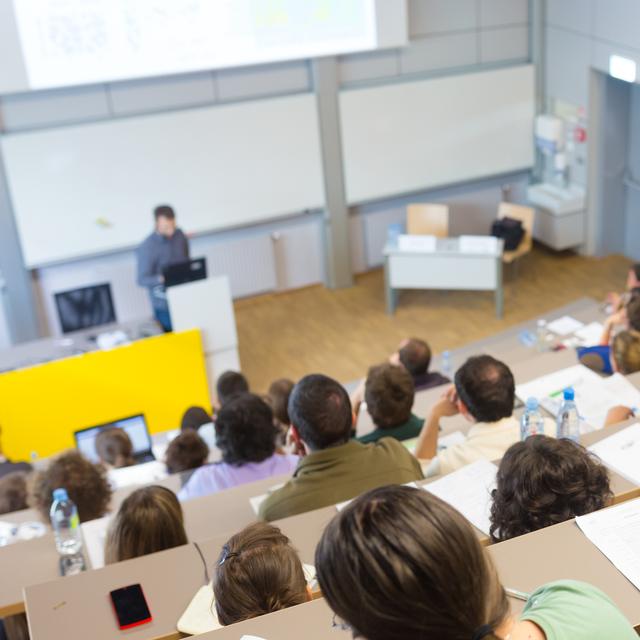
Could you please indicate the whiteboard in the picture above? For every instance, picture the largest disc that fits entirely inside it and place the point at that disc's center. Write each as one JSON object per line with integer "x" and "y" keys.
{"x": 412, "y": 136}
{"x": 91, "y": 188}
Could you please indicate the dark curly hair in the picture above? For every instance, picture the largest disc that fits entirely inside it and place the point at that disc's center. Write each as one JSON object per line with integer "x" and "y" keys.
{"x": 245, "y": 431}
{"x": 85, "y": 482}
{"x": 544, "y": 481}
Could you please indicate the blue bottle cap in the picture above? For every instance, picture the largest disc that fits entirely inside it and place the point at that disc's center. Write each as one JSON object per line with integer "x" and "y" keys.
{"x": 60, "y": 494}
{"x": 532, "y": 404}
{"x": 569, "y": 393}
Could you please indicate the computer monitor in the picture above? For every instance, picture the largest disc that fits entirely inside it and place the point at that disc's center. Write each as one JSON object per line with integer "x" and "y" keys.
{"x": 85, "y": 308}
{"x": 134, "y": 426}
{"x": 187, "y": 271}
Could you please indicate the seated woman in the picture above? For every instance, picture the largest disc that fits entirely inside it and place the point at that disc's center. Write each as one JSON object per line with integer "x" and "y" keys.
{"x": 85, "y": 482}
{"x": 625, "y": 353}
{"x": 246, "y": 437}
{"x": 198, "y": 420}
{"x": 114, "y": 448}
{"x": 149, "y": 520}
{"x": 13, "y": 492}
{"x": 258, "y": 572}
{"x": 400, "y": 563}
{"x": 278, "y": 399}
{"x": 544, "y": 481}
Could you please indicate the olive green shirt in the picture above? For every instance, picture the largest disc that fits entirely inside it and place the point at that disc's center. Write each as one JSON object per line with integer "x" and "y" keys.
{"x": 333, "y": 475}
{"x": 406, "y": 431}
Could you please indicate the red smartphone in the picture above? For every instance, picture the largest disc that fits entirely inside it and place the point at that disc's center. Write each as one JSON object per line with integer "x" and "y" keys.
{"x": 130, "y": 607}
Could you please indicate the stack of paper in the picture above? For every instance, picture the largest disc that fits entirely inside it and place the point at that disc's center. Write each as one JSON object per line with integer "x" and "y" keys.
{"x": 621, "y": 452}
{"x": 590, "y": 334}
{"x": 469, "y": 491}
{"x": 478, "y": 244}
{"x": 565, "y": 325}
{"x": 616, "y": 532}
{"x": 94, "y": 533}
{"x": 420, "y": 244}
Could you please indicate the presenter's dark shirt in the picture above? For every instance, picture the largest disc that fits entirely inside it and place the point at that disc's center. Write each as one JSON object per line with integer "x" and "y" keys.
{"x": 158, "y": 252}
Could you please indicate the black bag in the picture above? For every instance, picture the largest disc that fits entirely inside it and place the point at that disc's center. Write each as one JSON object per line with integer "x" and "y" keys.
{"x": 510, "y": 230}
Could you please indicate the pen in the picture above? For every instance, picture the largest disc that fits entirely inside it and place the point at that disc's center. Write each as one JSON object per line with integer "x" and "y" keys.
{"x": 518, "y": 595}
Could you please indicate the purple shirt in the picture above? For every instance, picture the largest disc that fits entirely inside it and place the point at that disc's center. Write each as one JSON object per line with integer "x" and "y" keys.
{"x": 218, "y": 476}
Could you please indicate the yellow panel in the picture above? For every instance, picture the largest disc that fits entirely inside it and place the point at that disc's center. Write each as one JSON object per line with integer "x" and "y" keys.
{"x": 41, "y": 407}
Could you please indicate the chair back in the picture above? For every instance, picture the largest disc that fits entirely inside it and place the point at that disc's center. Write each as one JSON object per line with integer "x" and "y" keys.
{"x": 427, "y": 219}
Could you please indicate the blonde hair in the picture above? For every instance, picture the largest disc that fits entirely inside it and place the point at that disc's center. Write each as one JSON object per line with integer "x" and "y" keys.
{"x": 626, "y": 351}
{"x": 149, "y": 520}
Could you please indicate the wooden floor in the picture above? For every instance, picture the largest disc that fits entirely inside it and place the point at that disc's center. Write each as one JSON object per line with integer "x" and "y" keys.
{"x": 342, "y": 332}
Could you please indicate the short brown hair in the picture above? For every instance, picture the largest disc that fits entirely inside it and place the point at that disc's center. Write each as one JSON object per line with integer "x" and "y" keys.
{"x": 544, "y": 481}
{"x": 400, "y": 563}
{"x": 633, "y": 311}
{"x": 114, "y": 447}
{"x": 258, "y": 572}
{"x": 194, "y": 418}
{"x": 85, "y": 482}
{"x": 164, "y": 211}
{"x": 149, "y": 520}
{"x": 625, "y": 350}
{"x": 186, "y": 451}
{"x": 13, "y": 492}
{"x": 278, "y": 399}
{"x": 389, "y": 393}
{"x": 415, "y": 356}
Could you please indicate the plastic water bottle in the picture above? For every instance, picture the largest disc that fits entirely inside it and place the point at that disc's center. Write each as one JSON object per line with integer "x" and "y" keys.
{"x": 532, "y": 422}
{"x": 66, "y": 530}
{"x": 446, "y": 364}
{"x": 541, "y": 335}
{"x": 568, "y": 417}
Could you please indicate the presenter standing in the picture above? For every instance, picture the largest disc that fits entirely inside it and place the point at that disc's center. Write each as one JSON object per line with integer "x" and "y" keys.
{"x": 166, "y": 246}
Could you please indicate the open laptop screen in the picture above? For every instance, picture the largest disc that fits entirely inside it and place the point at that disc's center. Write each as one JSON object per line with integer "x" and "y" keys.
{"x": 135, "y": 427}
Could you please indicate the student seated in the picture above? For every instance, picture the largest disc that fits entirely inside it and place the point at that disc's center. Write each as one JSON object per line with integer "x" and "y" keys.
{"x": 194, "y": 418}
{"x": 246, "y": 438}
{"x": 544, "y": 481}
{"x": 484, "y": 393}
{"x": 185, "y": 452}
{"x": 617, "y": 301}
{"x": 8, "y": 466}
{"x": 333, "y": 468}
{"x": 114, "y": 448}
{"x": 149, "y": 520}
{"x": 85, "y": 482}
{"x": 625, "y": 353}
{"x": 278, "y": 399}
{"x": 258, "y": 572}
{"x": 13, "y": 492}
{"x": 400, "y": 563}
{"x": 415, "y": 356}
{"x": 389, "y": 395}
{"x": 229, "y": 385}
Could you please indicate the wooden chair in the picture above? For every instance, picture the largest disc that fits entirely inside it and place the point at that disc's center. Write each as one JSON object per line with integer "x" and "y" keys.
{"x": 526, "y": 215}
{"x": 426, "y": 219}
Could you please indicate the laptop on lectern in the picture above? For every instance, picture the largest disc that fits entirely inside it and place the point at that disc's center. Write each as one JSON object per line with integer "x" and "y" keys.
{"x": 187, "y": 271}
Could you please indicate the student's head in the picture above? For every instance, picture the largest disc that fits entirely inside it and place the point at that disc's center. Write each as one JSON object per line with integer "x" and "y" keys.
{"x": 13, "y": 492}
{"x": 320, "y": 412}
{"x": 245, "y": 431}
{"x": 415, "y": 356}
{"x": 194, "y": 418}
{"x": 625, "y": 352}
{"x": 544, "y": 481}
{"x": 114, "y": 448}
{"x": 389, "y": 395}
{"x": 85, "y": 482}
{"x": 278, "y": 399}
{"x": 149, "y": 520}
{"x": 633, "y": 311}
{"x": 485, "y": 389}
{"x": 230, "y": 384}
{"x": 400, "y": 563}
{"x": 165, "y": 220}
{"x": 633, "y": 277}
{"x": 186, "y": 451}
{"x": 258, "y": 572}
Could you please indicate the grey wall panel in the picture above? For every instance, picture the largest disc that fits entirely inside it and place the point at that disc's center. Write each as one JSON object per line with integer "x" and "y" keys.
{"x": 51, "y": 108}
{"x": 568, "y": 56}
{"x": 504, "y": 44}
{"x": 618, "y": 21}
{"x": 13, "y": 75}
{"x": 574, "y": 15}
{"x": 440, "y": 16}
{"x": 368, "y": 66}
{"x": 157, "y": 94}
{"x": 264, "y": 80}
{"x": 495, "y": 13}
{"x": 632, "y": 246}
{"x": 440, "y": 52}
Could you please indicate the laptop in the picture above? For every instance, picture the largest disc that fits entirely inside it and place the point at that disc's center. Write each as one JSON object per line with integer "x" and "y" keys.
{"x": 136, "y": 429}
{"x": 187, "y": 271}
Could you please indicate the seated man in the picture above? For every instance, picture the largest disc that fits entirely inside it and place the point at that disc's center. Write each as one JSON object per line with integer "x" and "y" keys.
{"x": 334, "y": 468}
{"x": 415, "y": 356}
{"x": 484, "y": 393}
{"x": 389, "y": 396}
{"x": 229, "y": 385}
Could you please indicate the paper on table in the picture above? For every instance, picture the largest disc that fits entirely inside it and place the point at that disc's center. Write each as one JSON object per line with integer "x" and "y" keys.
{"x": 478, "y": 244}
{"x": 258, "y": 500}
{"x": 565, "y": 325}
{"x": 144, "y": 473}
{"x": 616, "y": 533}
{"x": 341, "y": 505}
{"x": 94, "y": 533}
{"x": 590, "y": 334}
{"x": 417, "y": 243}
{"x": 621, "y": 452}
{"x": 451, "y": 439}
{"x": 469, "y": 491}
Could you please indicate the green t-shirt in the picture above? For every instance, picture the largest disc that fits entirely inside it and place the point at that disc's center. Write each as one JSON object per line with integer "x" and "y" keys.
{"x": 406, "y": 431}
{"x": 571, "y": 610}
